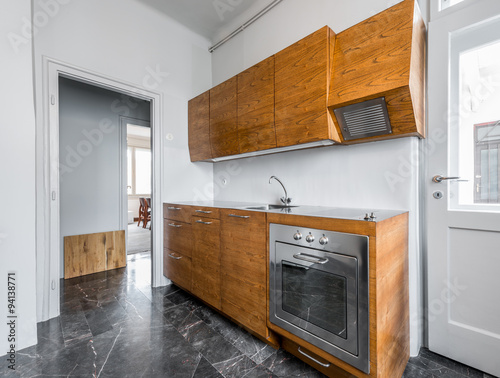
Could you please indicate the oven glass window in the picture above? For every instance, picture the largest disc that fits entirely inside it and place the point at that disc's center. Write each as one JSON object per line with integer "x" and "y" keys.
{"x": 315, "y": 296}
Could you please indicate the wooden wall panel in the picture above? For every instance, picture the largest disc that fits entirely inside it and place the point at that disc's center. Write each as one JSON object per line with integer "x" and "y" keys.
{"x": 92, "y": 253}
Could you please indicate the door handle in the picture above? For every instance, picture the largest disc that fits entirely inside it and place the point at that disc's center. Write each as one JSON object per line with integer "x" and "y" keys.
{"x": 174, "y": 225}
{"x": 173, "y": 257}
{"x": 203, "y": 212}
{"x": 310, "y": 258}
{"x": 438, "y": 179}
{"x": 200, "y": 221}
{"x": 239, "y": 216}
{"x": 174, "y": 208}
{"x": 313, "y": 359}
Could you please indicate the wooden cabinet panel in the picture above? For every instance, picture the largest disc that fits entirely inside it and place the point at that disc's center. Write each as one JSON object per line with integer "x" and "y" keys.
{"x": 256, "y": 107}
{"x": 302, "y": 83}
{"x": 244, "y": 268}
{"x": 206, "y": 260}
{"x": 199, "y": 127}
{"x": 177, "y": 267}
{"x": 178, "y": 237}
{"x": 384, "y": 56}
{"x": 223, "y": 119}
{"x": 179, "y": 213}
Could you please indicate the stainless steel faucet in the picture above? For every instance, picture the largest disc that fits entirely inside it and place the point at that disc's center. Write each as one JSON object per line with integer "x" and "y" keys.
{"x": 285, "y": 200}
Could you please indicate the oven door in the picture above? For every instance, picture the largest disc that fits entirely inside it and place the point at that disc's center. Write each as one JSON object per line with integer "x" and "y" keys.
{"x": 318, "y": 295}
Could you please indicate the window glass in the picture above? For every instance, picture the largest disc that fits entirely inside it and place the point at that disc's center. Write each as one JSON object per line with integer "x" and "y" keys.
{"x": 142, "y": 171}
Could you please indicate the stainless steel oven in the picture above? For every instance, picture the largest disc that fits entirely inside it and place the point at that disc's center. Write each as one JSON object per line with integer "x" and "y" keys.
{"x": 319, "y": 290}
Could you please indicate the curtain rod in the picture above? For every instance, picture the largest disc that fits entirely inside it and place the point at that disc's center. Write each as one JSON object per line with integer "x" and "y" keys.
{"x": 245, "y": 25}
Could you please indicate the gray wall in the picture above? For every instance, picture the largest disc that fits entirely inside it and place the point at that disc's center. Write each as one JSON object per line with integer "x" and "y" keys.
{"x": 90, "y": 145}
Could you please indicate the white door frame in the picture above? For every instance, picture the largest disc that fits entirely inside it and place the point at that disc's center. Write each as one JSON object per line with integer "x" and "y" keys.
{"x": 48, "y": 222}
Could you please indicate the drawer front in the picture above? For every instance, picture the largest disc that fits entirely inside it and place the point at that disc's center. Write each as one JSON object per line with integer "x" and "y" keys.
{"x": 177, "y": 268}
{"x": 178, "y": 237}
{"x": 206, "y": 212}
{"x": 179, "y": 213}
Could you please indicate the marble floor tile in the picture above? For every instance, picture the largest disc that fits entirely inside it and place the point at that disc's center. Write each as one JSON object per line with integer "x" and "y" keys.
{"x": 113, "y": 324}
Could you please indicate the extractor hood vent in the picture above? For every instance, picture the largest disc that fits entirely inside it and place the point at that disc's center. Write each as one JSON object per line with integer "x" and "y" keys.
{"x": 363, "y": 120}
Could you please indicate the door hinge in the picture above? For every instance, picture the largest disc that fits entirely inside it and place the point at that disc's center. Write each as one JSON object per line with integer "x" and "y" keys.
{"x": 53, "y": 195}
{"x": 52, "y": 99}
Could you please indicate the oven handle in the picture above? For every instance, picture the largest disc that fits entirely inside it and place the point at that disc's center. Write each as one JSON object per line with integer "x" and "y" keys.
{"x": 310, "y": 258}
{"x": 313, "y": 359}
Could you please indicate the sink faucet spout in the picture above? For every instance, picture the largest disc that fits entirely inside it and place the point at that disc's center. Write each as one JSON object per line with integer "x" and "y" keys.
{"x": 285, "y": 200}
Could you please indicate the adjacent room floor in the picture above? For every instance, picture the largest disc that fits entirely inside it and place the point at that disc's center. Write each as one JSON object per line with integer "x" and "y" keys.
{"x": 139, "y": 239}
{"x": 114, "y": 324}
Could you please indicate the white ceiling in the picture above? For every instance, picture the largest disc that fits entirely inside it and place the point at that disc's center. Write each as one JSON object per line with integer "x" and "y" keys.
{"x": 209, "y": 17}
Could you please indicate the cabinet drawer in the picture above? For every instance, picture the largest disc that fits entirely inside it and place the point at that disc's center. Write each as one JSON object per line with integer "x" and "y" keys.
{"x": 207, "y": 212}
{"x": 177, "y": 268}
{"x": 180, "y": 213}
{"x": 178, "y": 237}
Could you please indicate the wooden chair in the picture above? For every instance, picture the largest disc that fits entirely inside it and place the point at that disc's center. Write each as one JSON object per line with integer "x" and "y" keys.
{"x": 147, "y": 212}
{"x": 142, "y": 204}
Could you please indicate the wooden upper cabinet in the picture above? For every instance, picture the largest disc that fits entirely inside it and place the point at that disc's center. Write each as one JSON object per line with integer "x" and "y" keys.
{"x": 302, "y": 82}
{"x": 384, "y": 56}
{"x": 199, "y": 127}
{"x": 223, "y": 119}
{"x": 256, "y": 107}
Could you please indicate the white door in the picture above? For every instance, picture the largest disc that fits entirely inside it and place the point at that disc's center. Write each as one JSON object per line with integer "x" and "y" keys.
{"x": 463, "y": 217}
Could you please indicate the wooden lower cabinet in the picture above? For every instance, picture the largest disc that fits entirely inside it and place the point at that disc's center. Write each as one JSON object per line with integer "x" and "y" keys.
{"x": 206, "y": 260}
{"x": 244, "y": 268}
{"x": 177, "y": 268}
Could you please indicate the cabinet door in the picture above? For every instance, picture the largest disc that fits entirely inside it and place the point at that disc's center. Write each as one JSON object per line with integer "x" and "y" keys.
{"x": 302, "y": 83}
{"x": 244, "y": 268}
{"x": 206, "y": 260}
{"x": 256, "y": 107}
{"x": 177, "y": 268}
{"x": 223, "y": 119}
{"x": 199, "y": 127}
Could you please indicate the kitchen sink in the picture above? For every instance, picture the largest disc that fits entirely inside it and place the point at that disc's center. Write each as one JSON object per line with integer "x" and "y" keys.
{"x": 268, "y": 207}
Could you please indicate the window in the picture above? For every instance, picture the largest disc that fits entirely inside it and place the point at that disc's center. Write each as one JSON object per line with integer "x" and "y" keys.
{"x": 487, "y": 163}
{"x": 138, "y": 171}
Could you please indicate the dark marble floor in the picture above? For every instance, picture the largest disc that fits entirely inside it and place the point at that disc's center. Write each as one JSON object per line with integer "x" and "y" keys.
{"x": 114, "y": 324}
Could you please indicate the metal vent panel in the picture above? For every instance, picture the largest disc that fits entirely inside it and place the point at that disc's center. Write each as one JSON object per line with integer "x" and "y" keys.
{"x": 366, "y": 119}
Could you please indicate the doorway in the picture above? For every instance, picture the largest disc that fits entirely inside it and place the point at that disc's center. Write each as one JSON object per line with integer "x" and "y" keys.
{"x": 101, "y": 132}
{"x": 48, "y": 210}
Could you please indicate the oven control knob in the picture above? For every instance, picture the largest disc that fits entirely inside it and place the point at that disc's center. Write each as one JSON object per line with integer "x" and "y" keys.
{"x": 323, "y": 240}
{"x": 309, "y": 238}
{"x": 297, "y": 236}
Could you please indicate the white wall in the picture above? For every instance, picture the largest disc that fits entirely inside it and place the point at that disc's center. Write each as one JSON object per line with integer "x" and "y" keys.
{"x": 17, "y": 172}
{"x": 373, "y": 175}
{"x": 90, "y": 147}
{"x": 133, "y": 43}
